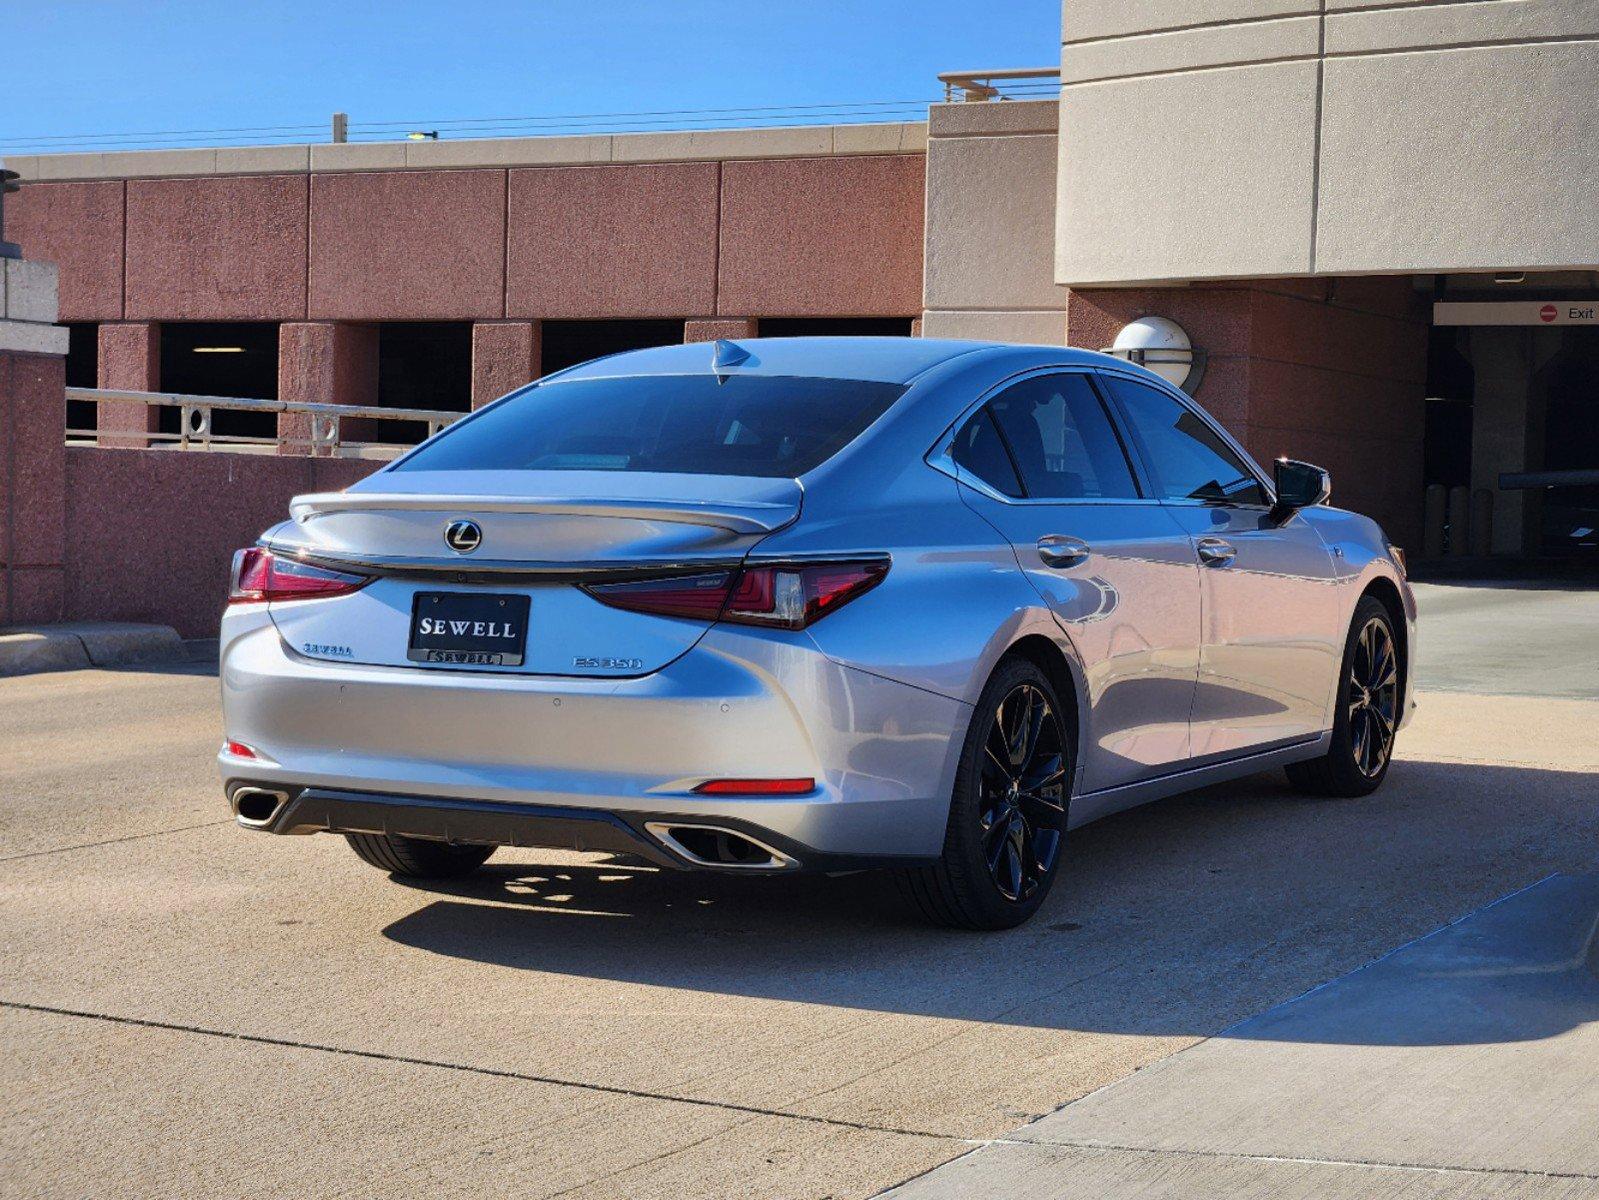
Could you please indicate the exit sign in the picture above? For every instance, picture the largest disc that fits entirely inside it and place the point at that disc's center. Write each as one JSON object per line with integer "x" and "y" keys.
{"x": 1516, "y": 312}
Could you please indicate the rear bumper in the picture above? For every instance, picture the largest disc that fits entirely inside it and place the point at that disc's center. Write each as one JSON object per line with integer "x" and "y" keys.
{"x": 642, "y": 835}
{"x": 516, "y": 759}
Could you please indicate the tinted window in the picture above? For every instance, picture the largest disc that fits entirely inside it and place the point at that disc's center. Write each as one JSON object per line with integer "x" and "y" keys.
{"x": 1188, "y": 459}
{"x": 978, "y": 449}
{"x": 694, "y": 424}
{"x": 1062, "y": 440}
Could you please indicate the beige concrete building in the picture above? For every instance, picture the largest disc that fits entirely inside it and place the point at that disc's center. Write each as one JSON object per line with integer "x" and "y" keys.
{"x": 1374, "y": 219}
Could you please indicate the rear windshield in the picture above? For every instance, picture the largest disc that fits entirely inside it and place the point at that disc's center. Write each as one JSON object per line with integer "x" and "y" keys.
{"x": 777, "y": 426}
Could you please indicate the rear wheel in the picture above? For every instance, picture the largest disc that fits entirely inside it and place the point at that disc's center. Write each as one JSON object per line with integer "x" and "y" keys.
{"x": 416, "y": 857}
{"x": 1007, "y": 821}
{"x": 1367, "y": 714}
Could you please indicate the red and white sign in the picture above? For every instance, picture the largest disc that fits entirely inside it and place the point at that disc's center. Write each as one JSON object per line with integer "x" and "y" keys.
{"x": 1516, "y": 312}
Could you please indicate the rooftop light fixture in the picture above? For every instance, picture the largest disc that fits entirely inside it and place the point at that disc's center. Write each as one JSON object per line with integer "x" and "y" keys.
{"x": 218, "y": 350}
{"x": 423, "y": 135}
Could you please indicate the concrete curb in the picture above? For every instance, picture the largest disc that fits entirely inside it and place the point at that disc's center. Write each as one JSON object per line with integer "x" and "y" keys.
{"x": 30, "y": 649}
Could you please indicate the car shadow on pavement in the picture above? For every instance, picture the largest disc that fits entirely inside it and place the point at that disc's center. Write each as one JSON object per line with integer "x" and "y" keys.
{"x": 1177, "y": 918}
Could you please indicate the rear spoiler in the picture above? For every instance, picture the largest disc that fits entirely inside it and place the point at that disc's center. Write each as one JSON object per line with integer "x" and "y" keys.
{"x": 742, "y": 516}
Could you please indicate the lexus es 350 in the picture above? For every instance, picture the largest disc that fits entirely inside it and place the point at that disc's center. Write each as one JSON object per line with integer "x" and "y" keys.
{"x": 808, "y": 604}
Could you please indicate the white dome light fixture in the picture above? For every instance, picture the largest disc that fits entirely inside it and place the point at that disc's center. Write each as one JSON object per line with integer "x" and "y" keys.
{"x": 1162, "y": 346}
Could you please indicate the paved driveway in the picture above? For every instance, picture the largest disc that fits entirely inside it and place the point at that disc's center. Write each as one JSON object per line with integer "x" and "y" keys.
{"x": 187, "y": 1008}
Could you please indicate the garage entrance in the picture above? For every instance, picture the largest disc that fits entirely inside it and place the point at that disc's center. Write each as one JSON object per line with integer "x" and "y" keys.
{"x": 1513, "y": 428}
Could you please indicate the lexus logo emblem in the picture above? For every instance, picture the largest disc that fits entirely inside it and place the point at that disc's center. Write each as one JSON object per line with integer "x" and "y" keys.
{"x": 463, "y": 536}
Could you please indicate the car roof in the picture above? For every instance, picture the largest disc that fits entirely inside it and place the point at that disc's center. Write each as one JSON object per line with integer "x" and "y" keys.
{"x": 876, "y": 359}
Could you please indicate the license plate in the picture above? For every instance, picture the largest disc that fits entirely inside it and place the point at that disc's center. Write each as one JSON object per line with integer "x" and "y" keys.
{"x": 468, "y": 629}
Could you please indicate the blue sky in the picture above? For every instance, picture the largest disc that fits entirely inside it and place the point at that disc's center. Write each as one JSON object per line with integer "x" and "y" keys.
{"x": 93, "y": 72}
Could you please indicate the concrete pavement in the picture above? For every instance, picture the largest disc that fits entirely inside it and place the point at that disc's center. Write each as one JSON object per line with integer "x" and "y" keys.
{"x": 1535, "y": 639}
{"x": 187, "y": 1008}
{"x": 1459, "y": 1065}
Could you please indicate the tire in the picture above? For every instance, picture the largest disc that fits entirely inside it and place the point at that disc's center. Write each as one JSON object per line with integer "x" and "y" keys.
{"x": 1007, "y": 818}
{"x": 1366, "y": 716}
{"x": 416, "y": 858}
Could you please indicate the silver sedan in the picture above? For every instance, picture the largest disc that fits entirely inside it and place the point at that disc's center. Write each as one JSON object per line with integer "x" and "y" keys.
{"x": 808, "y": 603}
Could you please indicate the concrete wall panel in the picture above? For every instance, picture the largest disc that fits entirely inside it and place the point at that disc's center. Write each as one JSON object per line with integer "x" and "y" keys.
{"x": 822, "y": 236}
{"x": 1187, "y": 175}
{"x": 1084, "y": 19}
{"x": 1191, "y": 49}
{"x": 1348, "y": 137}
{"x": 656, "y": 225}
{"x": 127, "y": 567}
{"x": 991, "y": 223}
{"x": 77, "y": 226}
{"x": 408, "y": 245}
{"x": 217, "y": 249}
{"x": 1027, "y": 328}
{"x": 1359, "y": 30}
{"x": 1460, "y": 179}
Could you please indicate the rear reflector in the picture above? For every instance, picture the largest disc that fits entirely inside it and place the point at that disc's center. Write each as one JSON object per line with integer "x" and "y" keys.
{"x": 258, "y": 575}
{"x": 239, "y": 749}
{"x": 756, "y": 787}
{"x": 790, "y": 595}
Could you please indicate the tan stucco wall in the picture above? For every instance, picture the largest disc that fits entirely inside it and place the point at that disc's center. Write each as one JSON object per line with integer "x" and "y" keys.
{"x": 991, "y": 223}
{"x": 1212, "y": 139}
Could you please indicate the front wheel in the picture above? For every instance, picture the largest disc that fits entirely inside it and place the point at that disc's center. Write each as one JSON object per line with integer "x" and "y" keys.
{"x": 1007, "y": 820}
{"x": 1367, "y": 713}
{"x": 417, "y": 858}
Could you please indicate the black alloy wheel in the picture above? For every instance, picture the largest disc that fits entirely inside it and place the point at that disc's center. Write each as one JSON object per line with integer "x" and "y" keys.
{"x": 1367, "y": 712}
{"x": 1021, "y": 811}
{"x": 1006, "y": 833}
{"x": 1373, "y": 697}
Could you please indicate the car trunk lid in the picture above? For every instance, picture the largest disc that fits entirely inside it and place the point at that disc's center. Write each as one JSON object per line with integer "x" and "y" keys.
{"x": 538, "y": 535}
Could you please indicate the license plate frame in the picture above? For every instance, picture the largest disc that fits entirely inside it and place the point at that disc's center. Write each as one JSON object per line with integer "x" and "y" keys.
{"x": 482, "y": 629}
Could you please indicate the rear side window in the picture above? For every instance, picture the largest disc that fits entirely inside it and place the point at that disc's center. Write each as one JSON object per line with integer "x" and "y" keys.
{"x": 978, "y": 449}
{"x": 1187, "y": 459}
{"x": 770, "y": 426}
{"x": 1062, "y": 440}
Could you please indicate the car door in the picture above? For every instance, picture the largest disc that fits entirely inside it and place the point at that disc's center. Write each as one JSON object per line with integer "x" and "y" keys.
{"x": 1042, "y": 462}
{"x": 1269, "y": 643}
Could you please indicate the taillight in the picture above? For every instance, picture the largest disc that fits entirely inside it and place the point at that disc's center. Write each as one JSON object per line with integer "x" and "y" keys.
{"x": 258, "y": 574}
{"x": 788, "y": 595}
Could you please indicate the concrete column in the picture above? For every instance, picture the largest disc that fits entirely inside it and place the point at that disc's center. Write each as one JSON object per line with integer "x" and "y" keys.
{"x": 32, "y": 446}
{"x": 130, "y": 360}
{"x": 326, "y": 362}
{"x": 721, "y": 327}
{"x": 1506, "y": 426}
{"x": 505, "y": 355}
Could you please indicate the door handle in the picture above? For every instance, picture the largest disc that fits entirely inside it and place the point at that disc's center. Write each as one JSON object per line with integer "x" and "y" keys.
{"x": 1215, "y": 552}
{"x": 1058, "y": 550}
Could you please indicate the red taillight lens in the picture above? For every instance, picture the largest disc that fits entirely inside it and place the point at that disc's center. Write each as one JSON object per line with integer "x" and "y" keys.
{"x": 258, "y": 574}
{"x": 756, "y": 787}
{"x": 791, "y": 595}
{"x": 699, "y": 597}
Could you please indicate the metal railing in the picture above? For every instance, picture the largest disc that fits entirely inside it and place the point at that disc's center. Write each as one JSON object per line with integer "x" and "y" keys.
{"x": 1008, "y": 83}
{"x": 320, "y": 433}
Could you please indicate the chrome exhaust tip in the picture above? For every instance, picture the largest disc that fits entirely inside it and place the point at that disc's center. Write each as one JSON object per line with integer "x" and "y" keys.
{"x": 257, "y": 807}
{"x": 715, "y": 846}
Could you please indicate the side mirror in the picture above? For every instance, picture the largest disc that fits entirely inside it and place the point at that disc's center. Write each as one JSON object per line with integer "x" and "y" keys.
{"x": 1299, "y": 485}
